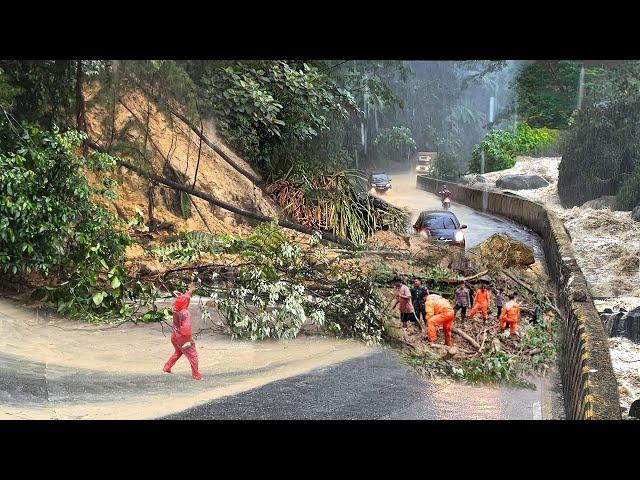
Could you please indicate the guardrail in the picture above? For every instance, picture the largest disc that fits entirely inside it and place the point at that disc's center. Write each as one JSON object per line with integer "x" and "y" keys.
{"x": 588, "y": 382}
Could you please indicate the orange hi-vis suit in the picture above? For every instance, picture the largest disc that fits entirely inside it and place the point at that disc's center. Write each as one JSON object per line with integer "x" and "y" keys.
{"x": 480, "y": 302}
{"x": 438, "y": 312}
{"x": 511, "y": 315}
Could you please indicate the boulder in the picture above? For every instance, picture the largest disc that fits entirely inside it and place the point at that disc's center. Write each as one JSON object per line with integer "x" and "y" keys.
{"x": 601, "y": 203}
{"x": 635, "y": 214}
{"x": 521, "y": 182}
{"x": 501, "y": 251}
{"x": 623, "y": 324}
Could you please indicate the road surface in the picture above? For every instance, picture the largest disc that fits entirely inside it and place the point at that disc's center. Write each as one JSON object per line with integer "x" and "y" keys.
{"x": 52, "y": 368}
{"x": 480, "y": 226}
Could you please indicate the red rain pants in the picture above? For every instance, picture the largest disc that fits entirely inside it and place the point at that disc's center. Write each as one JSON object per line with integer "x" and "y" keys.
{"x": 190, "y": 352}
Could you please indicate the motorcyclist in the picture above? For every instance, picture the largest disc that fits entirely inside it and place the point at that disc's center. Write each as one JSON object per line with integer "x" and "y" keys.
{"x": 444, "y": 193}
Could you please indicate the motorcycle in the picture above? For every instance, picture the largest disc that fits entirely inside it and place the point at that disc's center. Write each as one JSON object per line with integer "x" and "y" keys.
{"x": 446, "y": 203}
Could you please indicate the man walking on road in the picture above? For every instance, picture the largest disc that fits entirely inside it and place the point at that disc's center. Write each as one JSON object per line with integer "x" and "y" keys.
{"x": 183, "y": 343}
{"x": 403, "y": 301}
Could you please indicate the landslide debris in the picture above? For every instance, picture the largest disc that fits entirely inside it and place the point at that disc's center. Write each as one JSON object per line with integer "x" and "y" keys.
{"x": 501, "y": 251}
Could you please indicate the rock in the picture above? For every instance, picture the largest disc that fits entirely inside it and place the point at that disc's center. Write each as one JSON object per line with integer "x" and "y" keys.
{"x": 521, "y": 182}
{"x": 601, "y": 203}
{"x": 611, "y": 322}
{"x": 607, "y": 310}
{"x": 502, "y": 251}
{"x": 634, "y": 410}
{"x": 623, "y": 324}
{"x": 635, "y": 214}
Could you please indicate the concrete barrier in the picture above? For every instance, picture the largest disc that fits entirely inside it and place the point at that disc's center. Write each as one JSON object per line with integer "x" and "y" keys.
{"x": 588, "y": 382}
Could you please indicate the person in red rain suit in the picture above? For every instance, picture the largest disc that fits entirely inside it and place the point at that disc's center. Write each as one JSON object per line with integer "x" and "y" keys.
{"x": 181, "y": 338}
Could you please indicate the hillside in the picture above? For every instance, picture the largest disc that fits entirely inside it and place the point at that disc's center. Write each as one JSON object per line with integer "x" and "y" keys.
{"x": 144, "y": 134}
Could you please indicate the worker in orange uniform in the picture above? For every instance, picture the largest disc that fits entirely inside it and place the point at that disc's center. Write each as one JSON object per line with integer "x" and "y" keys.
{"x": 480, "y": 302}
{"x": 510, "y": 315}
{"x": 438, "y": 311}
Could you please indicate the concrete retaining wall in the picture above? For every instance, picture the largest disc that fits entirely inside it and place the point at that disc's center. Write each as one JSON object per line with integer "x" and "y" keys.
{"x": 588, "y": 382}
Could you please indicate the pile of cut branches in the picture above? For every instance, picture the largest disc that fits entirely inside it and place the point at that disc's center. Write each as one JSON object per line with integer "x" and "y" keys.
{"x": 336, "y": 202}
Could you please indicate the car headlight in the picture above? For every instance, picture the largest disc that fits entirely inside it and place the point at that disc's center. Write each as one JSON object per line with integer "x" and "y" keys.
{"x": 458, "y": 237}
{"x": 389, "y": 185}
{"x": 373, "y": 185}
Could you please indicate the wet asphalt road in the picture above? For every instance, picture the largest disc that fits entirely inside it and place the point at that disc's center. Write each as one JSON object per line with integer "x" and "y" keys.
{"x": 480, "y": 226}
{"x": 379, "y": 386}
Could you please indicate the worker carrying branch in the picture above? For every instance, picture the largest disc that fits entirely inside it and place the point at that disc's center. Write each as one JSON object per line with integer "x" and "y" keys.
{"x": 510, "y": 315}
{"x": 480, "y": 302}
{"x": 438, "y": 311}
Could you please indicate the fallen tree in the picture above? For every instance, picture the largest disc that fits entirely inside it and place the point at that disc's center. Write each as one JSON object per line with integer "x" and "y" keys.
{"x": 217, "y": 149}
{"x": 219, "y": 203}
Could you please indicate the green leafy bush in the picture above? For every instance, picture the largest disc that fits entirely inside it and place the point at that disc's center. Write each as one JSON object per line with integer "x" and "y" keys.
{"x": 629, "y": 194}
{"x": 393, "y": 142}
{"x": 48, "y": 220}
{"x": 278, "y": 286}
{"x": 501, "y": 147}
{"x": 269, "y": 108}
{"x": 446, "y": 166}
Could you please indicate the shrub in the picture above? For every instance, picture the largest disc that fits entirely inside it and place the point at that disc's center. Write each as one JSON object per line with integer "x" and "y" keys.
{"x": 446, "y": 166}
{"x": 500, "y": 147}
{"x": 532, "y": 141}
{"x": 48, "y": 220}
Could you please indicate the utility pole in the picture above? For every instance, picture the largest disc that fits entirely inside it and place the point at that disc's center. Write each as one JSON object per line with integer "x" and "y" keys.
{"x": 581, "y": 87}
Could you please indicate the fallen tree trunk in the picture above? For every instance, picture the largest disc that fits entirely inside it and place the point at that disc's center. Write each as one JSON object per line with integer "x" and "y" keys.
{"x": 217, "y": 149}
{"x": 466, "y": 337}
{"x": 219, "y": 203}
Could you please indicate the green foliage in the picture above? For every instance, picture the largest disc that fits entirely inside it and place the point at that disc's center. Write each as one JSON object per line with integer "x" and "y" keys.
{"x": 278, "y": 286}
{"x": 629, "y": 194}
{"x": 268, "y": 108}
{"x": 51, "y": 225}
{"x": 500, "y": 147}
{"x": 439, "y": 272}
{"x": 531, "y": 141}
{"x": 8, "y": 91}
{"x": 446, "y": 166}
{"x": 185, "y": 205}
{"x": 48, "y": 220}
{"x": 395, "y": 141}
{"x": 547, "y": 92}
{"x": 38, "y": 90}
